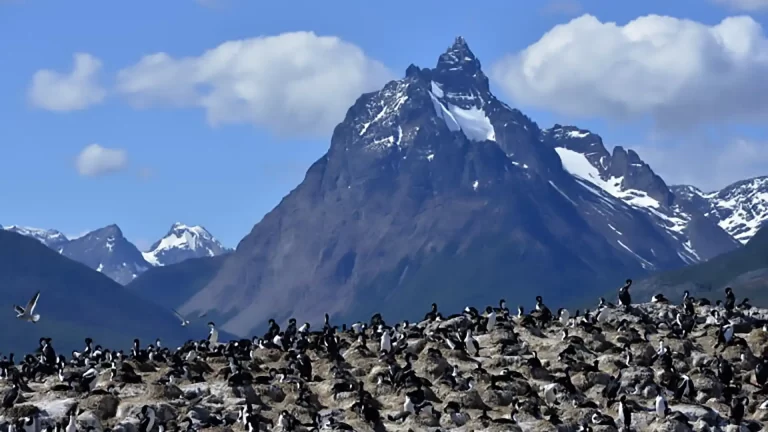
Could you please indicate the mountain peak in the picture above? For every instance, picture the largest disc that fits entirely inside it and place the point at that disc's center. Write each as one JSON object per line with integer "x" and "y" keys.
{"x": 107, "y": 251}
{"x": 459, "y": 67}
{"x": 110, "y": 230}
{"x": 459, "y": 52}
{"x": 183, "y": 242}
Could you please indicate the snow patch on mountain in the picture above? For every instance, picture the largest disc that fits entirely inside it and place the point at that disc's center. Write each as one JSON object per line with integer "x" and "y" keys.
{"x": 183, "y": 242}
{"x": 473, "y": 122}
{"x": 578, "y": 165}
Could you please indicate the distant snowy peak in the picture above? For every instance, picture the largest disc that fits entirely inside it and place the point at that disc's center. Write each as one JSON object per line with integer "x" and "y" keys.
{"x": 183, "y": 242}
{"x": 49, "y": 237}
{"x": 107, "y": 251}
{"x": 740, "y": 208}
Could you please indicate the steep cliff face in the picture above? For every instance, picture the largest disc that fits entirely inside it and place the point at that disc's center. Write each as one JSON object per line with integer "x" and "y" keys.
{"x": 433, "y": 188}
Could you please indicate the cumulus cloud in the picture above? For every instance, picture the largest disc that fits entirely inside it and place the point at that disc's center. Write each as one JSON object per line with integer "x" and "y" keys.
{"x": 76, "y": 90}
{"x": 678, "y": 72}
{"x": 292, "y": 84}
{"x": 745, "y": 5}
{"x": 95, "y": 160}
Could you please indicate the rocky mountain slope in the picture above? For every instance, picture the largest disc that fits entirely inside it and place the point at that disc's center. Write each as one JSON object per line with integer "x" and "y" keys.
{"x": 75, "y": 302}
{"x": 525, "y": 378}
{"x": 433, "y": 188}
{"x": 108, "y": 251}
{"x": 744, "y": 269}
{"x": 741, "y": 209}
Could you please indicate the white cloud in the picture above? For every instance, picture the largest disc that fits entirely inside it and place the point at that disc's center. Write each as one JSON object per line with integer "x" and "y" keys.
{"x": 79, "y": 89}
{"x": 292, "y": 84}
{"x": 745, "y": 5}
{"x": 95, "y": 160}
{"x": 679, "y": 72}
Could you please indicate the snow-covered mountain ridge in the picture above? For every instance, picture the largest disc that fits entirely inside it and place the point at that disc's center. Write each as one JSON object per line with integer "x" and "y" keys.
{"x": 106, "y": 250}
{"x": 740, "y": 208}
{"x": 621, "y": 175}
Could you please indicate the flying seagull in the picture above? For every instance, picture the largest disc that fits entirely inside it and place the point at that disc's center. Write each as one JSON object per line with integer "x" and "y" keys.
{"x": 184, "y": 321}
{"x": 27, "y": 313}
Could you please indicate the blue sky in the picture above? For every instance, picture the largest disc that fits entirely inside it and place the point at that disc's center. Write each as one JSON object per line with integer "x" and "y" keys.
{"x": 172, "y": 143}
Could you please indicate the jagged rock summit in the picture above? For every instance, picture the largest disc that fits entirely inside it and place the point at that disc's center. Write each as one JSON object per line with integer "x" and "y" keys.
{"x": 434, "y": 188}
{"x": 183, "y": 242}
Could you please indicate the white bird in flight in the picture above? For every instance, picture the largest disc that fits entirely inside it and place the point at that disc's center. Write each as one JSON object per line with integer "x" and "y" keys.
{"x": 27, "y": 313}
{"x": 184, "y": 321}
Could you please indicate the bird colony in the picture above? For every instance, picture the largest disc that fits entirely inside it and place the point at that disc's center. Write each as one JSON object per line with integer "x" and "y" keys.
{"x": 690, "y": 364}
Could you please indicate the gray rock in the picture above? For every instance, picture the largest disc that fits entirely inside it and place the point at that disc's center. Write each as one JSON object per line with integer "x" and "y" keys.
{"x": 165, "y": 391}
{"x": 708, "y": 385}
{"x": 104, "y": 406}
{"x": 701, "y": 426}
{"x": 165, "y": 412}
{"x": 127, "y": 425}
{"x": 89, "y": 418}
{"x": 271, "y": 392}
{"x": 696, "y": 413}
